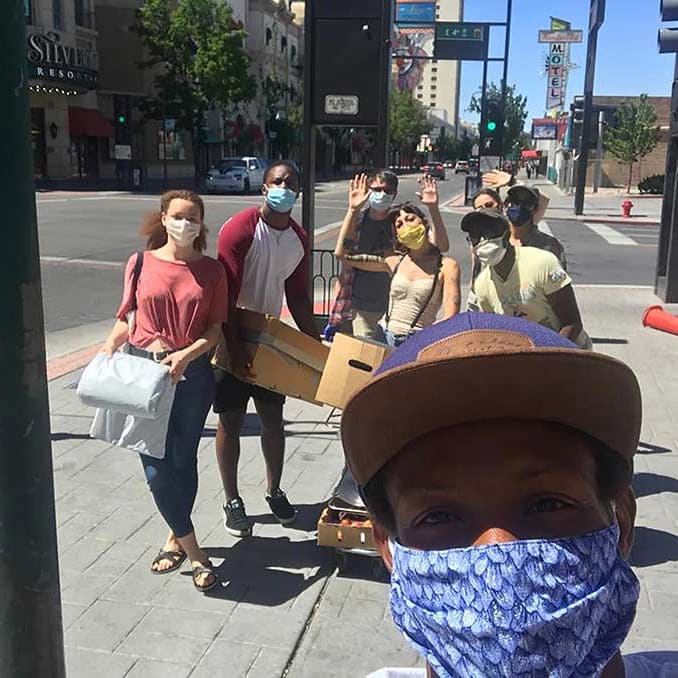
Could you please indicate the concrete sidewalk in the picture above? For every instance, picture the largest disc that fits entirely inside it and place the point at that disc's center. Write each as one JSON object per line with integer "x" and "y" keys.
{"x": 604, "y": 206}
{"x": 281, "y": 609}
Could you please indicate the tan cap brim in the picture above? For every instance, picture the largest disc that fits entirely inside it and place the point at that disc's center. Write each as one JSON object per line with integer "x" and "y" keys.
{"x": 586, "y": 391}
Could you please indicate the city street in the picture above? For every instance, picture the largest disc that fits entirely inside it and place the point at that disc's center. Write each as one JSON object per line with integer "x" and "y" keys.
{"x": 86, "y": 238}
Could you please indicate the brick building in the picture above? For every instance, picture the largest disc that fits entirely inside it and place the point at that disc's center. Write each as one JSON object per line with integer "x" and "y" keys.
{"x": 615, "y": 173}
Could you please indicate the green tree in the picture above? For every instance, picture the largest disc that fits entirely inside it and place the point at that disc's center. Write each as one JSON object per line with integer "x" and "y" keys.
{"x": 408, "y": 121}
{"x": 634, "y": 134}
{"x": 195, "y": 49}
{"x": 516, "y": 113}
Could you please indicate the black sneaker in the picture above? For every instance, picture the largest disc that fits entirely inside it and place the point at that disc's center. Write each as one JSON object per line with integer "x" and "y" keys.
{"x": 284, "y": 512}
{"x": 236, "y": 521}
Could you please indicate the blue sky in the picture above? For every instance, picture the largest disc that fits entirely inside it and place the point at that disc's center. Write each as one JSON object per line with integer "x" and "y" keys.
{"x": 628, "y": 60}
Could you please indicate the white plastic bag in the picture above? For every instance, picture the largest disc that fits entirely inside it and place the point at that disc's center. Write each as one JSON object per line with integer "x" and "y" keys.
{"x": 126, "y": 384}
{"x": 145, "y": 436}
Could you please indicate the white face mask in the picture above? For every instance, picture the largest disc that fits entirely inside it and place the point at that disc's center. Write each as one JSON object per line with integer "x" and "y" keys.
{"x": 381, "y": 201}
{"x": 182, "y": 231}
{"x": 490, "y": 252}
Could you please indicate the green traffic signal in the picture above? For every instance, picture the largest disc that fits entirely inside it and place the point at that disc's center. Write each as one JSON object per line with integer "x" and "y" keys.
{"x": 122, "y": 119}
{"x": 491, "y": 126}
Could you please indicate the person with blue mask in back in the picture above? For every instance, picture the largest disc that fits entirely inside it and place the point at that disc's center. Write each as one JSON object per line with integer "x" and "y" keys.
{"x": 362, "y": 297}
{"x": 504, "y": 509}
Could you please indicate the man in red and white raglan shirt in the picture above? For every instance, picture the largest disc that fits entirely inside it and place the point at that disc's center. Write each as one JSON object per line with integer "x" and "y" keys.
{"x": 266, "y": 256}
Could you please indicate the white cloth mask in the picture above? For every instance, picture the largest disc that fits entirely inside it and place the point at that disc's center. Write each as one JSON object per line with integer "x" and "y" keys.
{"x": 182, "y": 231}
{"x": 490, "y": 252}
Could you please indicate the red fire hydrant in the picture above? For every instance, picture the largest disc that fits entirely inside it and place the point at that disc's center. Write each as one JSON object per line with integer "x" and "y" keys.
{"x": 627, "y": 205}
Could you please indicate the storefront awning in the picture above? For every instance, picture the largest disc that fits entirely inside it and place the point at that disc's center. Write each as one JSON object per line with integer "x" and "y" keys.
{"x": 88, "y": 122}
{"x": 529, "y": 154}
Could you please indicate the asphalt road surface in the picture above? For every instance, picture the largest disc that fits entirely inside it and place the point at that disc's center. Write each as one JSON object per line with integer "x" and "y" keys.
{"x": 85, "y": 239}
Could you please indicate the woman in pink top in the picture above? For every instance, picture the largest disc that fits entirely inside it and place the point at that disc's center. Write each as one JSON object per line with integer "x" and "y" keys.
{"x": 181, "y": 301}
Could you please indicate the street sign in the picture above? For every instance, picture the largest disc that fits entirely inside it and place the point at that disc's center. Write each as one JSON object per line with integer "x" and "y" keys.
{"x": 341, "y": 104}
{"x": 416, "y": 12}
{"x": 122, "y": 152}
{"x": 561, "y": 36}
{"x": 461, "y": 41}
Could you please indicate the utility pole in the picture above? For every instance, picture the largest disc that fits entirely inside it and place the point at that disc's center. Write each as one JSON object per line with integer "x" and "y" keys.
{"x": 597, "y": 17}
{"x": 31, "y": 638}
{"x": 599, "y": 152}
{"x": 504, "y": 80}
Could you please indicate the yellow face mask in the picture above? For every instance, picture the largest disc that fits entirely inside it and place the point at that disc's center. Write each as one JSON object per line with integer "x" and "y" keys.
{"x": 413, "y": 237}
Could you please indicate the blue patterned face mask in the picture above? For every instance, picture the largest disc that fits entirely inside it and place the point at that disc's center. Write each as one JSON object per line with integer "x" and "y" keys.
{"x": 554, "y": 608}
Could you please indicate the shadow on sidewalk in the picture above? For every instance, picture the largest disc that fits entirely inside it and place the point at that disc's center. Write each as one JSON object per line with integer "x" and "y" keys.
{"x": 307, "y": 517}
{"x": 55, "y": 437}
{"x": 653, "y": 547}
{"x": 646, "y": 484}
{"x": 609, "y": 340}
{"x": 268, "y": 570}
{"x": 252, "y": 428}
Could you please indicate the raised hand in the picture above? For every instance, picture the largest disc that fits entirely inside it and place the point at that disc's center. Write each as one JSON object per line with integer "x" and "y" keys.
{"x": 358, "y": 191}
{"x": 429, "y": 191}
{"x": 496, "y": 179}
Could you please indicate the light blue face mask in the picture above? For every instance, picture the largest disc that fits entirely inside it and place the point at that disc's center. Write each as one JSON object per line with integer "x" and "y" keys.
{"x": 280, "y": 199}
{"x": 381, "y": 201}
{"x": 554, "y": 608}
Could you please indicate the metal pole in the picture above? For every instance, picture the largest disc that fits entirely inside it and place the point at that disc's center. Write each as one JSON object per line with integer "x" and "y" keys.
{"x": 504, "y": 81}
{"x": 666, "y": 280}
{"x": 483, "y": 110}
{"x": 309, "y": 134}
{"x": 31, "y": 637}
{"x": 599, "y": 152}
{"x": 164, "y": 145}
{"x": 594, "y": 27}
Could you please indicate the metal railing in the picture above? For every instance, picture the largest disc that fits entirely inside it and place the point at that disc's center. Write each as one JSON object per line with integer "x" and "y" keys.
{"x": 326, "y": 270}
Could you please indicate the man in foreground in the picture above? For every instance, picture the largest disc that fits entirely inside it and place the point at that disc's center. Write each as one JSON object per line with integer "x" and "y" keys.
{"x": 504, "y": 509}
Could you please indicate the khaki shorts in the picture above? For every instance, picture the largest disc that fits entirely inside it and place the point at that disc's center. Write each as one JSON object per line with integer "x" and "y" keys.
{"x": 365, "y": 323}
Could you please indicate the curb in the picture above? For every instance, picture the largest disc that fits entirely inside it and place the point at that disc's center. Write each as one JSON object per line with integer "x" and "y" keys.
{"x": 65, "y": 364}
{"x": 457, "y": 201}
{"x": 609, "y": 220}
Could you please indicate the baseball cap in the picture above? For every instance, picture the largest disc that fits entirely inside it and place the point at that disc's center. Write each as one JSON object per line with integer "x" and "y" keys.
{"x": 482, "y": 366}
{"x": 523, "y": 195}
{"x": 486, "y": 218}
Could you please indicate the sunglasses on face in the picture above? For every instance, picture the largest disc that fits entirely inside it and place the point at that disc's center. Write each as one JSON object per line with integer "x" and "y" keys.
{"x": 476, "y": 238}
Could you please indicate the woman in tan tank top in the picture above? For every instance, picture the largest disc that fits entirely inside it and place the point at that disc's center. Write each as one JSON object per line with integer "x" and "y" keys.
{"x": 422, "y": 281}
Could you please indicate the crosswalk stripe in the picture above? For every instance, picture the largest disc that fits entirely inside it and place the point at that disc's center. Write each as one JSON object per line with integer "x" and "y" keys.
{"x": 544, "y": 226}
{"x": 612, "y": 236}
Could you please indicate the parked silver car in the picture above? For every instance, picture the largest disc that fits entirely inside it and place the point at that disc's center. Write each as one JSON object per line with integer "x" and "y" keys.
{"x": 240, "y": 175}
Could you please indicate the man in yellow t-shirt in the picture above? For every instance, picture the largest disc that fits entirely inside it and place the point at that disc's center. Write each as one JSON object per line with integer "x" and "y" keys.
{"x": 523, "y": 282}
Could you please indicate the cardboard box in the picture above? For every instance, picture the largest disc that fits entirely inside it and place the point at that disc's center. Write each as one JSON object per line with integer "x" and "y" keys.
{"x": 332, "y": 533}
{"x": 284, "y": 360}
{"x": 350, "y": 365}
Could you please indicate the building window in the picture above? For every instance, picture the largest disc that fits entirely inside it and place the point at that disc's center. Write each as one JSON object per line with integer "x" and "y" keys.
{"x": 56, "y": 14}
{"x": 434, "y": 87}
{"x": 269, "y": 36}
{"x": 283, "y": 44}
{"x": 420, "y": 96}
{"x": 420, "y": 87}
{"x": 83, "y": 13}
{"x": 431, "y": 105}
{"x": 434, "y": 78}
{"x": 434, "y": 69}
{"x": 293, "y": 55}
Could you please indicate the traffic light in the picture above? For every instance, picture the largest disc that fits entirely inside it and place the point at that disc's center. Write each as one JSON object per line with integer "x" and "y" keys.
{"x": 493, "y": 128}
{"x": 668, "y": 37}
{"x": 122, "y": 119}
{"x": 578, "y": 110}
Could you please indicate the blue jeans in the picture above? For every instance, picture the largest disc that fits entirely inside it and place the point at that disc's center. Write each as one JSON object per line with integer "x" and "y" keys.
{"x": 393, "y": 340}
{"x": 173, "y": 480}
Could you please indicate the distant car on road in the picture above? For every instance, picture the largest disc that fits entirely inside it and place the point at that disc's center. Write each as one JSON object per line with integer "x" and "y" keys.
{"x": 240, "y": 175}
{"x": 461, "y": 167}
{"x": 434, "y": 169}
{"x": 448, "y": 164}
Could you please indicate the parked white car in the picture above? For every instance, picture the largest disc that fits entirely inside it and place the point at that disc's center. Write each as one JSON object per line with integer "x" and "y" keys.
{"x": 240, "y": 175}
